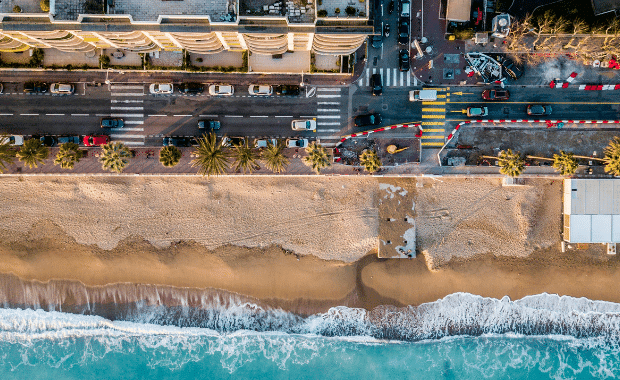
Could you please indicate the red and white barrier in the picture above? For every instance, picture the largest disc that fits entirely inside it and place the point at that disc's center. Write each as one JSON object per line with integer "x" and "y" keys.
{"x": 557, "y": 84}
{"x": 599, "y": 87}
{"x": 382, "y": 129}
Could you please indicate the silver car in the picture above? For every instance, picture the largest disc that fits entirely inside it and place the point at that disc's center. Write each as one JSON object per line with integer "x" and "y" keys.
{"x": 221, "y": 90}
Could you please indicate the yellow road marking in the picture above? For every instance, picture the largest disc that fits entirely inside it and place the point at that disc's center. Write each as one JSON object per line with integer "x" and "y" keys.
{"x": 433, "y": 123}
{"x": 433, "y": 110}
{"x": 433, "y": 130}
{"x": 436, "y": 137}
{"x": 433, "y": 103}
{"x": 437, "y": 88}
{"x": 441, "y": 96}
{"x": 543, "y": 102}
{"x": 433, "y": 116}
{"x": 460, "y": 111}
{"x": 432, "y": 143}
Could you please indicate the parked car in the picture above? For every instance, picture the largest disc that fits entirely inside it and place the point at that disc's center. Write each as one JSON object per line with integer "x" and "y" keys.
{"x": 1, "y": 88}
{"x": 377, "y": 41}
{"x": 263, "y": 143}
{"x": 304, "y": 125}
{"x": 230, "y": 141}
{"x": 477, "y": 111}
{"x": 259, "y": 89}
{"x": 495, "y": 94}
{"x": 177, "y": 141}
{"x": 191, "y": 88}
{"x": 17, "y": 140}
{"x": 405, "y": 8}
{"x": 48, "y": 140}
{"x": 370, "y": 119}
{"x": 221, "y": 90}
{"x": 512, "y": 69}
{"x": 538, "y": 110}
{"x": 68, "y": 139}
{"x": 35, "y": 87}
{"x": 296, "y": 143}
{"x": 62, "y": 88}
{"x": 376, "y": 85}
{"x": 403, "y": 32}
{"x": 95, "y": 140}
{"x": 161, "y": 88}
{"x": 213, "y": 125}
{"x": 403, "y": 60}
{"x": 288, "y": 90}
{"x": 112, "y": 122}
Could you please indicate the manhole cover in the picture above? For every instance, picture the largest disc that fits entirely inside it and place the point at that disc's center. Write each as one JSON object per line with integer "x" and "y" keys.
{"x": 506, "y": 110}
{"x": 384, "y": 107}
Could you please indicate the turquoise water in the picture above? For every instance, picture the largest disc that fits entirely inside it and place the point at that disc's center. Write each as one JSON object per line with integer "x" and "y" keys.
{"x": 581, "y": 343}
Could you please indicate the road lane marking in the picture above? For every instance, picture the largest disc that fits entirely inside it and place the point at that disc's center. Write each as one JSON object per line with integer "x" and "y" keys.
{"x": 328, "y": 89}
{"x": 308, "y": 116}
{"x": 433, "y": 123}
{"x": 126, "y": 101}
{"x": 327, "y": 103}
{"x": 156, "y": 115}
{"x": 125, "y": 87}
{"x": 436, "y": 137}
{"x": 182, "y": 115}
{"x": 128, "y": 136}
{"x": 328, "y": 130}
{"x": 433, "y": 116}
{"x": 55, "y": 114}
{"x": 259, "y": 116}
{"x": 6, "y": 114}
{"x": 282, "y": 116}
{"x": 328, "y": 116}
{"x": 127, "y": 94}
{"x": 328, "y": 109}
{"x": 432, "y": 143}
{"x": 131, "y": 142}
{"x": 127, "y": 114}
{"x": 433, "y": 110}
{"x": 127, "y": 108}
{"x": 433, "y": 130}
{"x": 452, "y": 102}
{"x": 233, "y": 115}
{"x": 36, "y": 114}
{"x": 326, "y": 123}
{"x": 134, "y": 122}
{"x": 127, "y": 129}
{"x": 328, "y": 96}
{"x": 208, "y": 115}
{"x": 435, "y": 103}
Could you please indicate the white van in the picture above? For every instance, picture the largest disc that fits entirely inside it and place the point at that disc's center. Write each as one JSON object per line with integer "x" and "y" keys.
{"x": 61, "y": 88}
{"x": 405, "y": 9}
{"x": 422, "y": 95}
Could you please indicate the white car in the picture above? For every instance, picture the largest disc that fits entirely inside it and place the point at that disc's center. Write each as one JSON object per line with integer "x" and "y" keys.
{"x": 61, "y": 88}
{"x": 304, "y": 125}
{"x": 161, "y": 88}
{"x": 263, "y": 143}
{"x": 296, "y": 143}
{"x": 221, "y": 90}
{"x": 256, "y": 89}
{"x": 15, "y": 139}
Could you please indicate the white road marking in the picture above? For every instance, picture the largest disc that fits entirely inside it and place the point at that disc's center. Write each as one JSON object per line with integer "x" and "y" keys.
{"x": 126, "y": 101}
{"x": 127, "y": 114}
{"x": 127, "y": 129}
{"x": 328, "y": 109}
{"x": 328, "y": 96}
{"x": 131, "y": 142}
{"x": 156, "y": 115}
{"x": 328, "y": 89}
{"x": 128, "y": 136}
{"x": 387, "y": 77}
{"x": 258, "y": 116}
{"x": 394, "y": 77}
{"x": 208, "y": 115}
{"x": 328, "y": 116}
{"x": 182, "y": 115}
{"x": 408, "y": 78}
{"x": 282, "y": 116}
{"x": 36, "y": 114}
{"x": 127, "y": 108}
{"x": 233, "y": 115}
{"x": 6, "y": 114}
{"x": 328, "y": 103}
{"x": 127, "y": 94}
{"x": 123, "y": 87}
{"x": 331, "y": 137}
{"x": 367, "y": 77}
{"x": 134, "y": 122}
{"x": 307, "y": 116}
{"x": 326, "y": 123}
{"x": 328, "y": 130}
{"x": 55, "y": 114}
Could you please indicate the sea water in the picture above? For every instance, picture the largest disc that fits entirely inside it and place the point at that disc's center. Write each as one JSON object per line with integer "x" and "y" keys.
{"x": 461, "y": 336}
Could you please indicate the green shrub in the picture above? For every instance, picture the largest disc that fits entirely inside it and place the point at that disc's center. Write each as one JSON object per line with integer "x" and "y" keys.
{"x": 17, "y": 9}
{"x": 350, "y": 11}
{"x": 321, "y": 13}
{"x": 104, "y": 61}
{"x": 37, "y": 57}
{"x": 337, "y": 11}
{"x": 45, "y": 5}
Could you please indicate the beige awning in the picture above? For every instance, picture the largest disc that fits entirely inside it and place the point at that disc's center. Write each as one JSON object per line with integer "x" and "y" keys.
{"x": 458, "y": 10}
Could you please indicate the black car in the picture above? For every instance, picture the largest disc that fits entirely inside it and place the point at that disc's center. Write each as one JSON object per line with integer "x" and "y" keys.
{"x": 177, "y": 141}
{"x": 231, "y": 141}
{"x": 213, "y": 125}
{"x": 191, "y": 88}
{"x": 513, "y": 70}
{"x": 538, "y": 110}
{"x": 370, "y": 119}
{"x": 287, "y": 90}
{"x": 376, "y": 85}
{"x": 403, "y": 60}
{"x": 48, "y": 140}
{"x": 112, "y": 122}
{"x": 35, "y": 87}
{"x": 377, "y": 41}
{"x": 69, "y": 139}
{"x": 403, "y": 32}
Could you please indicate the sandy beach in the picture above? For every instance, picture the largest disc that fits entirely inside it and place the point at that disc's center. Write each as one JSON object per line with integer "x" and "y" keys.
{"x": 301, "y": 244}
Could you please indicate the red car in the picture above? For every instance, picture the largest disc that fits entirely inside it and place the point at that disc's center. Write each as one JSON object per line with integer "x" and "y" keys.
{"x": 96, "y": 140}
{"x": 495, "y": 95}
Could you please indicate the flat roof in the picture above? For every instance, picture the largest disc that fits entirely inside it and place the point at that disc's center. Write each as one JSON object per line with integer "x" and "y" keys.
{"x": 459, "y": 10}
{"x": 604, "y": 6}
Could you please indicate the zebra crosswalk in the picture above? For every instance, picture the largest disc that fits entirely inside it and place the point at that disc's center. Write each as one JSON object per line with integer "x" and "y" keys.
{"x": 391, "y": 77}
{"x": 123, "y": 104}
{"x": 433, "y": 121}
{"x": 329, "y": 113}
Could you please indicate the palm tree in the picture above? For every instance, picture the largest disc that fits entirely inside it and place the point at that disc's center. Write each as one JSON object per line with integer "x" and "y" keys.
{"x": 210, "y": 156}
{"x": 612, "y": 157}
{"x": 274, "y": 157}
{"x": 114, "y": 157}
{"x": 244, "y": 157}
{"x": 32, "y": 153}
{"x": 317, "y": 157}
{"x": 68, "y": 155}
{"x": 169, "y": 156}
{"x": 510, "y": 163}
{"x": 370, "y": 161}
{"x": 565, "y": 163}
{"x": 7, "y": 154}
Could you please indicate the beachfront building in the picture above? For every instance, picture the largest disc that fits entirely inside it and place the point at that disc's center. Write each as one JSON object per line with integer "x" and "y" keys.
{"x": 265, "y": 27}
{"x": 592, "y": 211}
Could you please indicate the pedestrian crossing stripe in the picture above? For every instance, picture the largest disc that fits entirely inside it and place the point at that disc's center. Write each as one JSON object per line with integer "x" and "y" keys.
{"x": 433, "y": 116}
{"x": 437, "y": 88}
{"x": 432, "y": 143}
{"x": 433, "y": 123}
{"x": 441, "y": 96}
{"x": 436, "y": 137}
{"x": 433, "y": 110}
{"x": 433, "y": 103}
{"x": 433, "y": 130}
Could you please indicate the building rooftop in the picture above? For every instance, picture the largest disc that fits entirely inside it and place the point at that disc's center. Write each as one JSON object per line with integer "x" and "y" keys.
{"x": 604, "y": 6}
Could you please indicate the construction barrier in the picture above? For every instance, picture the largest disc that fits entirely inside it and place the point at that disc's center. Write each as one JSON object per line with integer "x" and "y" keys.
{"x": 382, "y": 129}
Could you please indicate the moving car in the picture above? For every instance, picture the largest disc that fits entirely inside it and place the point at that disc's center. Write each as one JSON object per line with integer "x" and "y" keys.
{"x": 495, "y": 94}
{"x": 377, "y": 41}
{"x": 538, "y": 110}
{"x": 263, "y": 143}
{"x": 376, "y": 85}
{"x": 96, "y": 140}
{"x": 16, "y": 140}
{"x": 403, "y": 60}
{"x": 221, "y": 90}
{"x": 422, "y": 95}
{"x": 370, "y": 119}
{"x": 112, "y": 122}
{"x": 48, "y": 140}
{"x": 177, "y": 141}
{"x": 287, "y": 90}
{"x": 477, "y": 111}
{"x": 403, "y": 32}
{"x": 161, "y": 88}
{"x": 258, "y": 89}
{"x": 296, "y": 143}
{"x": 69, "y": 139}
{"x": 230, "y": 141}
{"x": 61, "y": 88}
{"x": 35, "y": 87}
{"x": 304, "y": 125}
{"x": 191, "y": 88}
{"x": 213, "y": 125}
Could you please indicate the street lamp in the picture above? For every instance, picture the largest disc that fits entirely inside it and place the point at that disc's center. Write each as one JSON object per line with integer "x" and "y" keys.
{"x": 302, "y": 79}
